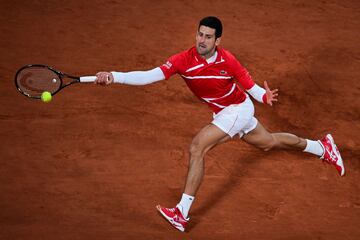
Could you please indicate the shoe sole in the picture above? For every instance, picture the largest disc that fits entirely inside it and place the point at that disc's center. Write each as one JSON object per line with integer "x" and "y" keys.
{"x": 339, "y": 161}
{"x": 170, "y": 220}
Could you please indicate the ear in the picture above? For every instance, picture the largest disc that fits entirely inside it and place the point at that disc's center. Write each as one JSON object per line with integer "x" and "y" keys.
{"x": 217, "y": 41}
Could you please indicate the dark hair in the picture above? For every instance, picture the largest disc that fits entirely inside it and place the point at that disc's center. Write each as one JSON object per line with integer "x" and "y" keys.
{"x": 212, "y": 22}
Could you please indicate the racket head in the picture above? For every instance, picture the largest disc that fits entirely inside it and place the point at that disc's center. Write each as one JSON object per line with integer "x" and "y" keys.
{"x": 32, "y": 80}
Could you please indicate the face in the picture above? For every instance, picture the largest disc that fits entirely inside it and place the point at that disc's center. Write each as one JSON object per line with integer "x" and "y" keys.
{"x": 206, "y": 41}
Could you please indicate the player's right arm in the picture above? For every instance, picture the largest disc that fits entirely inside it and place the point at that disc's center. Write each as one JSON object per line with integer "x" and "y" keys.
{"x": 130, "y": 78}
{"x": 163, "y": 72}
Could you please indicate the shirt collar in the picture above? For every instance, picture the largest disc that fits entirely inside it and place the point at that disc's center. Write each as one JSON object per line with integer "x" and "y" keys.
{"x": 217, "y": 57}
{"x": 213, "y": 58}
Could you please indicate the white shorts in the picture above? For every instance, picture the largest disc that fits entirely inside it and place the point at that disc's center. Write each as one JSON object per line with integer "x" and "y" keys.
{"x": 236, "y": 118}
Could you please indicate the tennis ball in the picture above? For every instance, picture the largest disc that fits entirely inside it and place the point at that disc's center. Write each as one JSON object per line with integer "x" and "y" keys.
{"x": 46, "y": 97}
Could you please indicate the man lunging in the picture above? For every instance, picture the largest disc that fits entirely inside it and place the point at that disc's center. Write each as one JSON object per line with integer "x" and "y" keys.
{"x": 211, "y": 73}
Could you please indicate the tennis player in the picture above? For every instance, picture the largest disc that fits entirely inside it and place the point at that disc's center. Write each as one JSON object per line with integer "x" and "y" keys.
{"x": 214, "y": 75}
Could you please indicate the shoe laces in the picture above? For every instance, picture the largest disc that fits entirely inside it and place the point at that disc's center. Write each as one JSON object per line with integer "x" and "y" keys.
{"x": 171, "y": 209}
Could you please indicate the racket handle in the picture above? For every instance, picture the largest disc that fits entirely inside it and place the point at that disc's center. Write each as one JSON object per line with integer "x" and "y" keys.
{"x": 87, "y": 79}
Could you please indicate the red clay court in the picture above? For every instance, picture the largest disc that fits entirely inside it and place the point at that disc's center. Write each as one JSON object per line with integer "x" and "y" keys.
{"x": 94, "y": 162}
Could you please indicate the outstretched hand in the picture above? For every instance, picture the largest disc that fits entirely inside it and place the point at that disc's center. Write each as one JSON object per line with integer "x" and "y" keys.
{"x": 104, "y": 78}
{"x": 271, "y": 95}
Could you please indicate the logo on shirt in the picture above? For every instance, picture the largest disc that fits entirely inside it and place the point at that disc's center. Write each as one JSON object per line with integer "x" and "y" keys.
{"x": 168, "y": 64}
{"x": 223, "y": 72}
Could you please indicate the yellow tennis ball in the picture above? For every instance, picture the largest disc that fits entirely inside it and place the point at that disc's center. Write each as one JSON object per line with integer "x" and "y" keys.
{"x": 46, "y": 97}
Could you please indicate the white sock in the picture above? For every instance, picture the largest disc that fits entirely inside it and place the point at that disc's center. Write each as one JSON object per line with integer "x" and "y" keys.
{"x": 185, "y": 204}
{"x": 314, "y": 147}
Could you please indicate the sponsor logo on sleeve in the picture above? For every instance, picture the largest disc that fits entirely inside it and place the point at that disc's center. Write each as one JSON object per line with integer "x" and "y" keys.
{"x": 168, "y": 64}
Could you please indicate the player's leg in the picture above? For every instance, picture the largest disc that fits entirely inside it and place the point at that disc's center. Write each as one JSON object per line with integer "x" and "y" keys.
{"x": 262, "y": 139}
{"x": 226, "y": 124}
{"x": 325, "y": 148}
{"x": 206, "y": 139}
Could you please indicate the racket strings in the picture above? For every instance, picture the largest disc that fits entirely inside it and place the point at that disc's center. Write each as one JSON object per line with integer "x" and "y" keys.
{"x": 33, "y": 81}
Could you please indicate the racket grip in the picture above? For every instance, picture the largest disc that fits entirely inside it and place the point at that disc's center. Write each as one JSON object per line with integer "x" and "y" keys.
{"x": 85, "y": 79}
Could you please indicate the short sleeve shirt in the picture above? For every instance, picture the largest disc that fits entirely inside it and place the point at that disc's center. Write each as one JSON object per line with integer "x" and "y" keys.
{"x": 214, "y": 83}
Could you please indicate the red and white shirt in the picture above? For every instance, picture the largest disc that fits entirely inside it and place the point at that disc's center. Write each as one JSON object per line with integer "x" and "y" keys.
{"x": 213, "y": 83}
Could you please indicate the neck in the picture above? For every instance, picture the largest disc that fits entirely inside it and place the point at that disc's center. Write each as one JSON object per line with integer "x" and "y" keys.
{"x": 209, "y": 54}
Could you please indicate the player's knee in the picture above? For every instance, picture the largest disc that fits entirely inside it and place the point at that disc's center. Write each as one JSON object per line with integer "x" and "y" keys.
{"x": 267, "y": 148}
{"x": 196, "y": 149}
{"x": 270, "y": 144}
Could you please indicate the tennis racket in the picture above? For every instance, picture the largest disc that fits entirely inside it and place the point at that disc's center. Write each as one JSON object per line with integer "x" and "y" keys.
{"x": 32, "y": 80}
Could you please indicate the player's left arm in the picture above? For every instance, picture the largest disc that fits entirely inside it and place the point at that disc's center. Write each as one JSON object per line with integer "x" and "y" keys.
{"x": 262, "y": 95}
{"x": 271, "y": 95}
